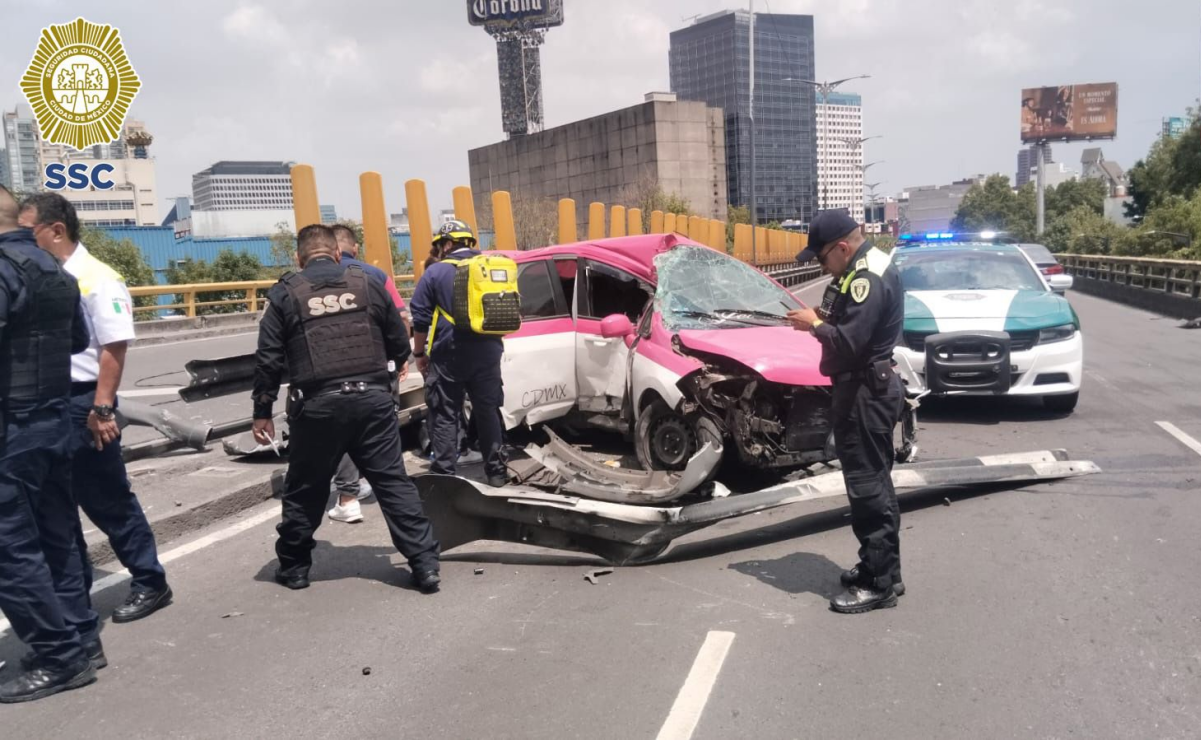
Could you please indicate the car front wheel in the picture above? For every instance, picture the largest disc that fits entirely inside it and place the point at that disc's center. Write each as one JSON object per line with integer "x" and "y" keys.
{"x": 1064, "y": 404}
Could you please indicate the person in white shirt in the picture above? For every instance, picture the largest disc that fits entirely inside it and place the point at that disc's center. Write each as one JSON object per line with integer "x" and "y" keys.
{"x": 99, "y": 482}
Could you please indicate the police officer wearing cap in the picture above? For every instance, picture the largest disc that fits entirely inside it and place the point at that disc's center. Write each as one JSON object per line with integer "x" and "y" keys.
{"x": 335, "y": 330}
{"x": 457, "y": 362}
{"x": 858, "y": 326}
{"x": 42, "y": 592}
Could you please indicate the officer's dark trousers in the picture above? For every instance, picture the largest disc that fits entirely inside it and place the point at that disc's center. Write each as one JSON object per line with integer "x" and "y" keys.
{"x": 444, "y": 391}
{"x": 42, "y": 589}
{"x": 102, "y": 489}
{"x": 364, "y": 426}
{"x": 863, "y": 439}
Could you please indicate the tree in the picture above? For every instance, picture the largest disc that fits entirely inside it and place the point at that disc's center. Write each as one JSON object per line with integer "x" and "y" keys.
{"x": 124, "y": 257}
{"x": 228, "y": 267}
{"x": 536, "y": 220}
{"x": 283, "y": 250}
{"x": 1084, "y": 231}
{"x": 1172, "y": 229}
{"x": 1072, "y": 194}
{"x": 994, "y": 206}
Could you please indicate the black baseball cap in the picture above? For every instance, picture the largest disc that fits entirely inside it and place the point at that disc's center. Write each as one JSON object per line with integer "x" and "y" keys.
{"x": 827, "y": 227}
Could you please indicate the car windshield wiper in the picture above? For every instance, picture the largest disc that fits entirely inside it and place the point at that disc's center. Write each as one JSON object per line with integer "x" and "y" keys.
{"x": 714, "y": 316}
{"x": 753, "y": 312}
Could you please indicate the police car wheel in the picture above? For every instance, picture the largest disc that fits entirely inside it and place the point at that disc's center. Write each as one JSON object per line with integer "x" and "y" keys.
{"x": 663, "y": 439}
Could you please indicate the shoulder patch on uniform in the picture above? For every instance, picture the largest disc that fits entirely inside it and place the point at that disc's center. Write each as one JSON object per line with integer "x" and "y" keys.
{"x": 861, "y": 265}
{"x": 860, "y": 287}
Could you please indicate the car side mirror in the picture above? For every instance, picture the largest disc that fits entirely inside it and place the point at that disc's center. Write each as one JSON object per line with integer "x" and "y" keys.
{"x": 616, "y": 326}
{"x": 1060, "y": 283}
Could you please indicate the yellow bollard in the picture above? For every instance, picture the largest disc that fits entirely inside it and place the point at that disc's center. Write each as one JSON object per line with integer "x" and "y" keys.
{"x": 761, "y": 249}
{"x": 742, "y": 242}
{"x": 717, "y": 236}
{"x": 698, "y": 229}
{"x": 377, "y": 242}
{"x": 657, "y": 222}
{"x": 669, "y": 223}
{"x": 635, "y": 217}
{"x": 502, "y": 221}
{"x": 596, "y": 220}
{"x": 617, "y": 221}
{"x": 304, "y": 196}
{"x": 568, "y": 234}
{"x": 682, "y": 224}
{"x": 465, "y": 208}
{"x": 421, "y": 233}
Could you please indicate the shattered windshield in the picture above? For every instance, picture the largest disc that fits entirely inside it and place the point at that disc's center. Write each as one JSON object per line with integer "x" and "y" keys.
{"x": 700, "y": 288}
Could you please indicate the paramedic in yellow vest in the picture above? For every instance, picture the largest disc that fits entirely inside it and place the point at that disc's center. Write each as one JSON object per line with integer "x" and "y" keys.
{"x": 456, "y": 361}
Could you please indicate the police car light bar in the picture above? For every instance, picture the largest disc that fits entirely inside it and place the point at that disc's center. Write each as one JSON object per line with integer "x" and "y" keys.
{"x": 948, "y": 236}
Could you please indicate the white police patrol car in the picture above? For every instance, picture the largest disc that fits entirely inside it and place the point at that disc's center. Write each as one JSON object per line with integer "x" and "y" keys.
{"x": 981, "y": 319}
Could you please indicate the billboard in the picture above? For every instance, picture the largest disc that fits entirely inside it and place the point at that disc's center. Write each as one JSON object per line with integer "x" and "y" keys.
{"x": 515, "y": 14}
{"x": 1070, "y": 112}
{"x": 1173, "y": 128}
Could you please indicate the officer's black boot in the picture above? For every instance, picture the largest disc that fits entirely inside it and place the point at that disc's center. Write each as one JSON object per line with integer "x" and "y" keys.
{"x": 294, "y": 581}
{"x": 851, "y": 577}
{"x": 94, "y": 649}
{"x": 142, "y": 604}
{"x": 429, "y": 581}
{"x": 859, "y": 599}
{"x": 42, "y": 682}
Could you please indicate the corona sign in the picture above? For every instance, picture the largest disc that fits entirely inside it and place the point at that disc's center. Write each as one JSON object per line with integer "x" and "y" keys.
{"x": 499, "y": 14}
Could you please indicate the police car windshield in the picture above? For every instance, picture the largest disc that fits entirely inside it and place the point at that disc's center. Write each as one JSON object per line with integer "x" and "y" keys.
{"x": 969, "y": 269}
{"x": 699, "y": 288}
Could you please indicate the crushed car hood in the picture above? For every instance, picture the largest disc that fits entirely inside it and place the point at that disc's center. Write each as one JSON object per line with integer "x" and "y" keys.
{"x": 779, "y": 353}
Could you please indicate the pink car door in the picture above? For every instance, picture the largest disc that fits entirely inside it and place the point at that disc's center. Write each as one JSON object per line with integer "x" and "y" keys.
{"x": 602, "y": 362}
{"x": 538, "y": 366}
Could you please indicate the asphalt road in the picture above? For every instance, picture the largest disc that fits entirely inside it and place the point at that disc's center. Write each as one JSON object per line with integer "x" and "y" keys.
{"x": 1066, "y": 610}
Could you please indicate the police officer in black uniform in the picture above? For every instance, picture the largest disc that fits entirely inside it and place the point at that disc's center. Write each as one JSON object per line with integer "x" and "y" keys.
{"x": 336, "y": 330}
{"x": 42, "y": 591}
{"x": 459, "y": 362}
{"x": 858, "y": 326}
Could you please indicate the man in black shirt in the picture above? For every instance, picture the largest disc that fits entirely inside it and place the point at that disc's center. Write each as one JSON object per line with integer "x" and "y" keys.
{"x": 858, "y": 326}
{"x": 335, "y": 330}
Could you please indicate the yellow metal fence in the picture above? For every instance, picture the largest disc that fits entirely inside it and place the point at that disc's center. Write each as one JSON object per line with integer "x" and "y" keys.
{"x": 762, "y": 247}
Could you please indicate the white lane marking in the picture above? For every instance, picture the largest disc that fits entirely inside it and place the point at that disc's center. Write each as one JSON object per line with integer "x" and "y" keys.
{"x": 1100, "y": 379}
{"x": 122, "y": 576}
{"x": 135, "y": 346}
{"x": 1186, "y": 440}
{"x": 166, "y": 390}
{"x": 694, "y": 694}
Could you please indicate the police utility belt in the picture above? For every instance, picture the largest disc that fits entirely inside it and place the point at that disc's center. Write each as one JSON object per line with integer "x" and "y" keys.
{"x": 878, "y": 376}
{"x": 298, "y": 396}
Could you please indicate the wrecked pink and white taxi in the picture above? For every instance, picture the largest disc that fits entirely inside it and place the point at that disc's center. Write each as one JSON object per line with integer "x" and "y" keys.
{"x": 670, "y": 342}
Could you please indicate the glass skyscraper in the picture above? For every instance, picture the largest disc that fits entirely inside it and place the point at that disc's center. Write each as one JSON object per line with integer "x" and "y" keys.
{"x": 710, "y": 61}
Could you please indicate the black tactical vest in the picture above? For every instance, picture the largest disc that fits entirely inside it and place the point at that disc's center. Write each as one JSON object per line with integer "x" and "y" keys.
{"x": 338, "y": 340}
{"x": 35, "y": 359}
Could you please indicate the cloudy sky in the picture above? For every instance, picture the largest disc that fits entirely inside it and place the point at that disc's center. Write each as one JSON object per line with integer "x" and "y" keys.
{"x": 406, "y": 87}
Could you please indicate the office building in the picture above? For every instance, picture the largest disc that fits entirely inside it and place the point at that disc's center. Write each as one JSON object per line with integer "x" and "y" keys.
{"x": 840, "y": 153}
{"x": 928, "y": 208}
{"x": 613, "y": 159}
{"x": 329, "y": 215}
{"x": 710, "y": 62}
{"x": 243, "y": 186}
{"x": 1028, "y": 161}
{"x": 21, "y": 144}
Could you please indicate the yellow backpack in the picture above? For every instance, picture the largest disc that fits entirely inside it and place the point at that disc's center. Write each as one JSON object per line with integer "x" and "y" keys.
{"x": 486, "y": 299}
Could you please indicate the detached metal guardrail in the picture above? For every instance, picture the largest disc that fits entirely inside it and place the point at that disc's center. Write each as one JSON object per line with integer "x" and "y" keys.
{"x": 790, "y": 273}
{"x": 253, "y": 294}
{"x": 1178, "y": 278}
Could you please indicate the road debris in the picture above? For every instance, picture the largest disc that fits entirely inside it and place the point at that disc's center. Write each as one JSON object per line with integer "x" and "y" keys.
{"x": 946, "y": 502}
{"x": 464, "y": 511}
{"x": 592, "y": 575}
{"x": 367, "y": 670}
{"x": 479, "y": 571}
{"x": 232, "y": 614}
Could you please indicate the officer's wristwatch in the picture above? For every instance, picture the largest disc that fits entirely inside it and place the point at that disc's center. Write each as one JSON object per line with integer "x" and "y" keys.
{"x": 103, "y": 412}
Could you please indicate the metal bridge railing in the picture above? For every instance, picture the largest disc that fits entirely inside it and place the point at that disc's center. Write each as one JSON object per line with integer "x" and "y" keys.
{"x": 1181, "y": 278}
{"x": 249, "y": 296}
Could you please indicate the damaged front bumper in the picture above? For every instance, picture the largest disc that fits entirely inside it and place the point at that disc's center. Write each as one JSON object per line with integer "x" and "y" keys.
{"x": 463, "y": 511}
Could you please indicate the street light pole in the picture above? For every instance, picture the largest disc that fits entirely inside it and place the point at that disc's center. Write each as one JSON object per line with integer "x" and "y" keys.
{"x": 824, "y": 89}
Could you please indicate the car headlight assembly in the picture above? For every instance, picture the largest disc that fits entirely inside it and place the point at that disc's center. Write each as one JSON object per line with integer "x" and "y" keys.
{"x": 1057, "y": 333}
